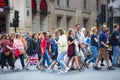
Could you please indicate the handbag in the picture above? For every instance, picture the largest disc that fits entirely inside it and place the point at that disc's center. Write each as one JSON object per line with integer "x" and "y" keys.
{"x": 17, "y": 53}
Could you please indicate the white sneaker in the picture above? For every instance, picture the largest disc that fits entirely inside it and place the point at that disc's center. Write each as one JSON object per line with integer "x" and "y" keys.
{"x": 2, "y": 70}
{"x": 55, "y": 69}
{"x": 49, "y": 70}
{"x": 61, "y": 72}
{"x": 15, "y": 69}
{"x": 67, "y": 69}
{"x": 42, "y": 68}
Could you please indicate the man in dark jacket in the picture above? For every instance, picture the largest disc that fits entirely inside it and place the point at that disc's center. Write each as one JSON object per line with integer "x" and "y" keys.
{"x": 115, "y": 44}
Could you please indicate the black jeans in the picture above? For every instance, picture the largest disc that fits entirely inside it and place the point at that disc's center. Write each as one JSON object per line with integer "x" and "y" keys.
{"x": 0, "y": 58}
{"x": 22, "y": 60}
{"x": 9, "y": 59}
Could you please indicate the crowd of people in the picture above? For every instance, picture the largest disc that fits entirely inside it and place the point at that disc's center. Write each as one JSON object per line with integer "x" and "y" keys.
{"x": 71, "y": 50}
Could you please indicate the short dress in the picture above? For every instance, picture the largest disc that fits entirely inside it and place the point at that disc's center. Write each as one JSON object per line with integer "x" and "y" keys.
{"x": 71, "y": 48}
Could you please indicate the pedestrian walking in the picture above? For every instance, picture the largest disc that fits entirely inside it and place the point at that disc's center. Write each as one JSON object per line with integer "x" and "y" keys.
{"x": 103, "y": 53}
{"x": 62, "y": 49}
{"x": 115, "y": 43}
{"x": 94, "y": 45}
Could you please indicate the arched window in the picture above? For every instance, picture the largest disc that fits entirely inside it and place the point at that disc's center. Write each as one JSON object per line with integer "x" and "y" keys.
{"x": 43, "y": 7}
{"x": 34, "y": 6}
{"x": 2, "y": 3}
{"x": 6, "y": 1}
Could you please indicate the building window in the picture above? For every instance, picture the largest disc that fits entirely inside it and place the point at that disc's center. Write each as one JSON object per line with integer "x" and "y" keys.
{"x": 68, "y": 22}
{"x": 43, "y": 7}
{"x": 85, "y": 4}
{"x": 85, "y": 23}
{"x": 113, "y": 0}
{"x": 2, "y": 3}
{"x": 34, "y": 6}
{"x": 27, "y": 3}
{"x": 58, "y": 2}
{"x": 4, "y": 7}
{"x": 3, "y": 21}
{"x": 7, "y": 2}
{"x": 59, "y": 21}
{"x": 28, "y": 13}
{"x": 108, "y": 1}
{"x": 97, "y": 3}
{"x": 68, "y": 3}
{"x": 44, "y": 23}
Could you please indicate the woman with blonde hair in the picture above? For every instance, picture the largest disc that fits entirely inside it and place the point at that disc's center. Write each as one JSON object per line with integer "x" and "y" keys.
{"x": 94, "y": 45}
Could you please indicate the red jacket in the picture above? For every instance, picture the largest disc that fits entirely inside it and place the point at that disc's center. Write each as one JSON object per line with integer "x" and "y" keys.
{"x": 43, "y": 45}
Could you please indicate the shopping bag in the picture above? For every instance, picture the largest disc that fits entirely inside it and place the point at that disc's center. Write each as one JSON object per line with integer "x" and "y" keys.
{"x": 33, "y": 60}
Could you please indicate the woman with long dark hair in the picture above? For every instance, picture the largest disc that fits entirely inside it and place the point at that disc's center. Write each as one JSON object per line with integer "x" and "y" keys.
{"x": 7, "y": 49}
{"x": 44, "y": 51}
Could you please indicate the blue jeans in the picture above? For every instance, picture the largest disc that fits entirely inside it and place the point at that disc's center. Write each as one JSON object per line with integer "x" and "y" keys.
{"x": 94, "y": 50}
{"x": 60, "y": 60}
{"x": 86, "y": 59}
{"x": 116, "y": 54}
{"x": 46, "y": 57}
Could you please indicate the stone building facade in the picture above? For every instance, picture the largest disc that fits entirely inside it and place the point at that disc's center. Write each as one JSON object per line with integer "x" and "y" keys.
{"x": 114, "y": 12}
{"x": 59, "y": 13}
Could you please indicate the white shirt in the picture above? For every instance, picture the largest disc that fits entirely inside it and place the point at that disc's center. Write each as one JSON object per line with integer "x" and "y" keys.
{"x": 62, "y": 44}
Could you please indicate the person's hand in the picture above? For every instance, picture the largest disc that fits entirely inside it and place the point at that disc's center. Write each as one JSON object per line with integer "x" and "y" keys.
{"x": 49, "y": 51}
{"x": 107, "y": 42}
{"x": 106, "y": 46}
{"x": 57, "y": 43}
{"x": 42, "y": 52}
{"x": 41, "y": 56}
{"x": 82, "y": 46}
{"x": 75, "y": 40}
{"x": 12, "y": 49}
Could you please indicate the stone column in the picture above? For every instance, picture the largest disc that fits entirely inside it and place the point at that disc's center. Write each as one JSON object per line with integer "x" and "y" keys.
{"x": 52, "y": 17}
